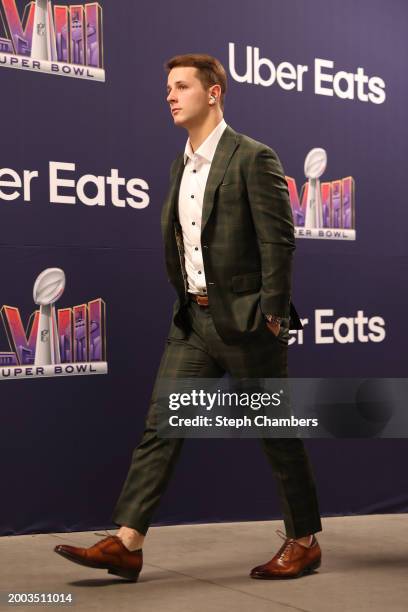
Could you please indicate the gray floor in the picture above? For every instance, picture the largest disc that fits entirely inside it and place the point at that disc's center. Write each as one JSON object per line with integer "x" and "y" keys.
{"x": 204, "y": 568}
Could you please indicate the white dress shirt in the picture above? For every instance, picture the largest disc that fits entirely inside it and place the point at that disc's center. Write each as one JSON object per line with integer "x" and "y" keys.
{"x": 191, "y": 195}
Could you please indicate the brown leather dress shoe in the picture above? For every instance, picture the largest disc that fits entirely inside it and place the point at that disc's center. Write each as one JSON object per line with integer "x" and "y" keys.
{"x": 110, "y": 554}
{"x": 291, "y": 561}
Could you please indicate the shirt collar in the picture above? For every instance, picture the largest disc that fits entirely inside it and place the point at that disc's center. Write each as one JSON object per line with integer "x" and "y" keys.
{"x": 206, "y": 150}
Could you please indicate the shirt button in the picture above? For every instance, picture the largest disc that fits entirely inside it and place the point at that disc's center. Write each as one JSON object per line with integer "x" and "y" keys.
{"x": 192, "y": 196}
{"x": 193, "y": 223}
{"x": 196, "y": 249}
{"x": 194, "y": 170}
{"x": 199, "y": 271}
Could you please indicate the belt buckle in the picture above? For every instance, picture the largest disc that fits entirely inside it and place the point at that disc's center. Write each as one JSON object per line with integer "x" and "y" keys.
{"x": 202, "y": 300}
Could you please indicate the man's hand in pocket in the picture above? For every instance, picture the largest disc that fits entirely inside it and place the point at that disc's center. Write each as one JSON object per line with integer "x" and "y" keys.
{"x": 273, "y": 327}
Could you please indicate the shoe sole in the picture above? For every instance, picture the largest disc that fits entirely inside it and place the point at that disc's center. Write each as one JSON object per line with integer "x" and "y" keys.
{"x": 305, "y": 571}
{"x": 118, "y": 571}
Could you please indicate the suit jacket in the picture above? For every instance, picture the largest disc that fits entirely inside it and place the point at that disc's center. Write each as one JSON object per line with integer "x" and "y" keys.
{"x": 247, "y": 240}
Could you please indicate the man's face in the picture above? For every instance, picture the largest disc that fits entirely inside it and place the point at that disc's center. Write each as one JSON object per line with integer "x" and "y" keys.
{"x": 185, "y": 92}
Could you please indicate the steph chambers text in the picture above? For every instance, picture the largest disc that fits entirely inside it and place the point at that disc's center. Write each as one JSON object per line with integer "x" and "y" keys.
{"x": 259, "y": 420}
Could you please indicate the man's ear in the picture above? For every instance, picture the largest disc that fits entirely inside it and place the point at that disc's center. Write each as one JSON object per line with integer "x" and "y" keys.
{"x": 215, "y": 90}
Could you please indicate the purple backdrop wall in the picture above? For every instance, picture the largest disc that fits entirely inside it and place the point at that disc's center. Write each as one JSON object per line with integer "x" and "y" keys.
{"x": 66, "y": 442}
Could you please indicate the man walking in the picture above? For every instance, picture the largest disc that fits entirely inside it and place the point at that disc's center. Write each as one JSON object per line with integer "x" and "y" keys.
{"x": 229, "y": 240}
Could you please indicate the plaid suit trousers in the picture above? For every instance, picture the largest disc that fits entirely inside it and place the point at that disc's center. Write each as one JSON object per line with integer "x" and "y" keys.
{"x": 204, "y": 355}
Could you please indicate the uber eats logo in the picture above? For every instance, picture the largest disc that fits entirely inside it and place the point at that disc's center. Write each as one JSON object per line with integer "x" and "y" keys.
{"x": 248, "y": 66}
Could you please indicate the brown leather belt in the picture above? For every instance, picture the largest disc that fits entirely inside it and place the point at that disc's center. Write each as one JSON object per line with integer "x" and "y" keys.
{"x": 201, "y": 300}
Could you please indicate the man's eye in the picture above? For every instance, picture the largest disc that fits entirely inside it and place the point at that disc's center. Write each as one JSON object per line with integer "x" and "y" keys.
{"x": 179, "y": 86}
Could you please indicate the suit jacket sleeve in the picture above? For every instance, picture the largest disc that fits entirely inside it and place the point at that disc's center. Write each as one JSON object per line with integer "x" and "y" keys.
{"x": 272, "y": 216}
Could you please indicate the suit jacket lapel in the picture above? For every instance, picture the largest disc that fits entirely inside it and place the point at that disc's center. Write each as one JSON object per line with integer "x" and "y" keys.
{"x": 223, "y": 153}
{"x": 169, "y": 208}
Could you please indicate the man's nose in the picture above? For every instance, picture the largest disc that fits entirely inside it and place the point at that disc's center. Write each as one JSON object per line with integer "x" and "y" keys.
{"x": 170, "y": 96}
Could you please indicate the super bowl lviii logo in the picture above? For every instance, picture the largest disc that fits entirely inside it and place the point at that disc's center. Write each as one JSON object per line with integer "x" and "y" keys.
{"x": 323, "y": 209}
{"x": 64, "y": 342}
{"x": 63, "y": 39}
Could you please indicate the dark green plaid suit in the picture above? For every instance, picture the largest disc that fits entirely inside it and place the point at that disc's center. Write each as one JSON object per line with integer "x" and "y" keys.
{"x": 247, "y": 240}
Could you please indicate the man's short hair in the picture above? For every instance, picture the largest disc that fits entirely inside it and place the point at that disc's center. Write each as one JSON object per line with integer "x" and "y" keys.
{"x": 210, "y": 71}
